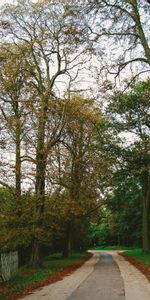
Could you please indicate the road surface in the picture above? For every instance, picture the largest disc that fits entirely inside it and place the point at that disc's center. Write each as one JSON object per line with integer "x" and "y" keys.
{"x": 105, "y": 282}
{"x": 106, "y": 276}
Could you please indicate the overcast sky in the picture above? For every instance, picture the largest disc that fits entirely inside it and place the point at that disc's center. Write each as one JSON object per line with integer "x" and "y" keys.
{"x": 95, "y": 63}
{"x": 7, "y": 1}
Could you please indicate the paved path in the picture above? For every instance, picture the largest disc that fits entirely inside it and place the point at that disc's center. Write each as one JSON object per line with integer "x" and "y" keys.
{"x": 106, "y": 276}
{"x": 104, "y": 283}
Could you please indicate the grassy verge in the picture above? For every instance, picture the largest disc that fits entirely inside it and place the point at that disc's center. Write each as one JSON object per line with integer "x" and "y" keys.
{"x": 28, "y": 278}
{"x": 111, "y": 248}
{"x": 138, "y": 255}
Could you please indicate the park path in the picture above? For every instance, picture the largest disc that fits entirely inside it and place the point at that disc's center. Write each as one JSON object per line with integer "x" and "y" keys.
{"x": 106, "y": 276}
{"x": 105, "y": 282}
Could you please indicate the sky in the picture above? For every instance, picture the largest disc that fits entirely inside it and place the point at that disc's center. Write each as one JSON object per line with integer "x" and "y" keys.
{"x": 7, "y": 1}
{"x": 94, "y": 79}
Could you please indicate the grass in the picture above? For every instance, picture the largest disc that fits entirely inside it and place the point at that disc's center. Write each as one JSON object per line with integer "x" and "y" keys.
{"x": 28, "y": 276}
{"x": 138, "y": 254}
{"x": 111, "y": 248}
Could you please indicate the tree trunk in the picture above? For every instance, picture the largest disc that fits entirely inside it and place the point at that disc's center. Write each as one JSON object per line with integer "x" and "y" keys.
{"x": 146, "y": 242}
{"x": 36, "y": 254}
{"x": 118, "y": 240}
{"x": 36, "y": 257}
{"x": 146, "y": 211}
{"x": 67, "y": 241}
{"x": 18, "y": 167}
{"x": 41, "y": 157}
{"x": 141, "y": 33}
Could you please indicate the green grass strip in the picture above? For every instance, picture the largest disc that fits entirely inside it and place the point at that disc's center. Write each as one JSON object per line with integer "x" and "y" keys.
{"x": 111, "y": 248}
{"x": 140, "y": 256}
{"x": 28, "y": 276}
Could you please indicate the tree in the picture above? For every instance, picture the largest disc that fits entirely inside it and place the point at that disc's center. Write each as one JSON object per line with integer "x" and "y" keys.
{"x": 130, "y": 113}
{"x": 124, "y": 202}
{"x": 14, "y": 84}
{"x": 52, "y": 35}
{"x": 123, "y": 25}
{"x": 79, "y": 165}
{"x": 15, "y": 229}
{"x": 100, "y": 231}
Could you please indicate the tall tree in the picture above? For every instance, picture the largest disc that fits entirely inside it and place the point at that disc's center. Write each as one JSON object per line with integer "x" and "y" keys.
{"x": 80, "y": 162}
{"x": 124, "y": 202}
{"x": 130, "y": 113}
{"x": 52, "y": 34}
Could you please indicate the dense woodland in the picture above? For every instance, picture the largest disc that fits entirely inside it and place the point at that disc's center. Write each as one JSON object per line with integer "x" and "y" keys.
{"x": 74, "y": 167}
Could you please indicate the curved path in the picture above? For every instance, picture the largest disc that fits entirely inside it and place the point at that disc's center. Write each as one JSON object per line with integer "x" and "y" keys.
{"x": 106, "y": 276}
{"x": 105, "y": 282}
